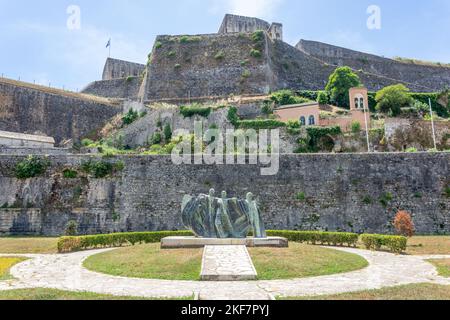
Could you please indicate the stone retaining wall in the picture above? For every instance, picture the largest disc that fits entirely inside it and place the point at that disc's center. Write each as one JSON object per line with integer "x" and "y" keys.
{"x": 348, "y": 192}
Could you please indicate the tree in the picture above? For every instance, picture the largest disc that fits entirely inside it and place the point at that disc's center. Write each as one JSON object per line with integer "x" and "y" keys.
{"x": 322, "y": 98}
{"x": 403, "y": 224}
{"x": 390, "y": 100}
{"x": 339, "y": 84}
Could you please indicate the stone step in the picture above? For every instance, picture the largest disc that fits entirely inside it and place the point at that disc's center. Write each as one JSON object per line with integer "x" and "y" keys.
{"x": 227, "y": 263}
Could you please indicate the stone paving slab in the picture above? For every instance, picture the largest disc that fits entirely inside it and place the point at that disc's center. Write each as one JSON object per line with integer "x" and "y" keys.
{"x": 65, "y": 272}
{"x": 227, "y": 263}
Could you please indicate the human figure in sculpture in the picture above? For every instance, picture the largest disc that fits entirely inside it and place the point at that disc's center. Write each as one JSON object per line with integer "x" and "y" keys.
{"x": 255, "y": 217}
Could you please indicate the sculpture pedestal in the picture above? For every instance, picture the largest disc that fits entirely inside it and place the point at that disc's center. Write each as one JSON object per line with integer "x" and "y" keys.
{"x": 193, "y": 242}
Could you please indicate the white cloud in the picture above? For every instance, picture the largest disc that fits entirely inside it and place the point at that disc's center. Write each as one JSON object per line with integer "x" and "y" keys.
{"x": 253, "y": 8}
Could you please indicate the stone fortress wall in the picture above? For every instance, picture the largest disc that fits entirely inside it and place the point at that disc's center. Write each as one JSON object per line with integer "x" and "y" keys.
{"x": 433, "y": 78}
{"x": 190, "y": 70}
{"x": 31, "y": 109}
{"x": 117, "y": 69}
{"x": 345, "y": 192}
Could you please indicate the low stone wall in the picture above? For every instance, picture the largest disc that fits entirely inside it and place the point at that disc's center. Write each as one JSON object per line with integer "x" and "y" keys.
{"x": 348, "y": 192}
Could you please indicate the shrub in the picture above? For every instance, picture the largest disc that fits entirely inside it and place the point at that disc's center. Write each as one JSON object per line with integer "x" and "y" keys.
{"x": 386, "y": 198}
{"x": 246, "y": 74}
{"x": 390, "y": 100}
{"x": 177, "y": 66}
{"x": 339, "y": 84}
{"x": 395, "y": 244}
{"x": 195, "y": 109}
{"x": 189, "y": 39}
{"x": 258, "y": 36}
{"x": 71, "y": 228}
{"x": 31, "y": 167}
{"x": 158, "y": 44}
{"x": 171, "y": 54}
{"x": 101, "y": 169}
{"x": 72, "y": 243}
{"x": 287, "y": 97}
{"x": 301, "y": 196}
{"x": 87, "y": 142}
{"x": 317, "y": 237}
{"x": 167, "y": 132}
{"x": 404, "y": 224}
{"x": 447, "y": 192}
{"x": 411, "y": 150}
{"x": 70, "y": 173}
{"x": 233, "y": 116}
{"x": 255, "y": 53}
{"x": 129, "y": 79}
{"x": 130, "y": 117}
{"x": 322, "y": 98}
{"x": 356, "y": 127}
{"x": 219, "y": 55}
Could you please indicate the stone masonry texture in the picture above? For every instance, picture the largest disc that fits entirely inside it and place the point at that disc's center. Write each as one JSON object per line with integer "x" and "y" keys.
{"x": 345, "y": 192}
{"x": 62, "y": 116}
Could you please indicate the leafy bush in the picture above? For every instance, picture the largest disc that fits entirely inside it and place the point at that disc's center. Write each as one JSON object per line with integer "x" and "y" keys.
{"x": 101, "y": 169}
{"x": 322, "y": 98}
{"x": 72, "y": 243}
{"x": 130, "y": 117}
{"x": 301, "y": 196}
{"x": 70, "y": 173}
{"x": 447, "y": 192}
{"x": 386, "y": 198}
{"x": 395, "y": 244}
{"x": 390, "y": 100}
{"x": 356, "y": 127}
{"x": 195, "y": 109}
{"x": 171, "y": 54}
{"x": 339, "y": 84}
{"x": 258, "y": 36}
{"x": 189, "y": 39}
{"x": 158, "y": 44}
{"x": 255, "y": 53}
{"x": 411, "y": 150}
{"x": 167, "y": 132}
{"x": 404, "y": 224}
{"x": 71, "y": 228}
{"x": 317, "y": 237}
{"x": 233, "y": 116}
{"x": 87, "y": 142}
{"x": 246, "y": 74}
{"x": 31, "y": 167}
{"x": 287, "y": 97}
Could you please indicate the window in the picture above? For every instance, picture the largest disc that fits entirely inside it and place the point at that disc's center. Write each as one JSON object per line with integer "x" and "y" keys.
{"x": 356, "y": 103}
{"x": 312, "y": 121}
{"x": 361, "y": 103}
{"x": 303, "y": 121}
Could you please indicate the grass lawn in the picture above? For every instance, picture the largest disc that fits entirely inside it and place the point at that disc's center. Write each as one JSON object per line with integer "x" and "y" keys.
{"x": 52, "y": 294}
{"x": 5, "y": 265}
{"x": 13, "y": 245}
{"x": 408, "y": 292}
{"x": 423, "y": 245}
{"x": 443, "y": 266}
{"x": 149, "y": 262}
{"x": 299, "y": 261}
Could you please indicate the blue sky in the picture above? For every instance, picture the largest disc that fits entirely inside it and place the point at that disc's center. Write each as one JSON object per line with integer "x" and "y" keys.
{"x": 36, "y": 44}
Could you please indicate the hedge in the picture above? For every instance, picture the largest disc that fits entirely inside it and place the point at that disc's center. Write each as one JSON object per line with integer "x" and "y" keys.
{"x": 396, "y": 244}
{"x": 316, "y": 237}
{"x": 71, "y": 244}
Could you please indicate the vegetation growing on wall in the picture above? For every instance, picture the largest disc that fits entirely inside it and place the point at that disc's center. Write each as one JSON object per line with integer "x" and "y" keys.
{"x": 31, "y": 167}
{"x": 102, "y": 169}
{"x": 391, "y": 99}
{"x": 287, "y": 97}
{"x": 195, "y": 110}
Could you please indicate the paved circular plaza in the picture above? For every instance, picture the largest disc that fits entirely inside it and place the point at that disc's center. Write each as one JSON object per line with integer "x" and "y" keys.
{"x": 66, "y": 272}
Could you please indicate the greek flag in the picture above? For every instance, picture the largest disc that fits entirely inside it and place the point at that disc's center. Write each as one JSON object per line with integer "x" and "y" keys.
{"x": 109, "y": 43}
